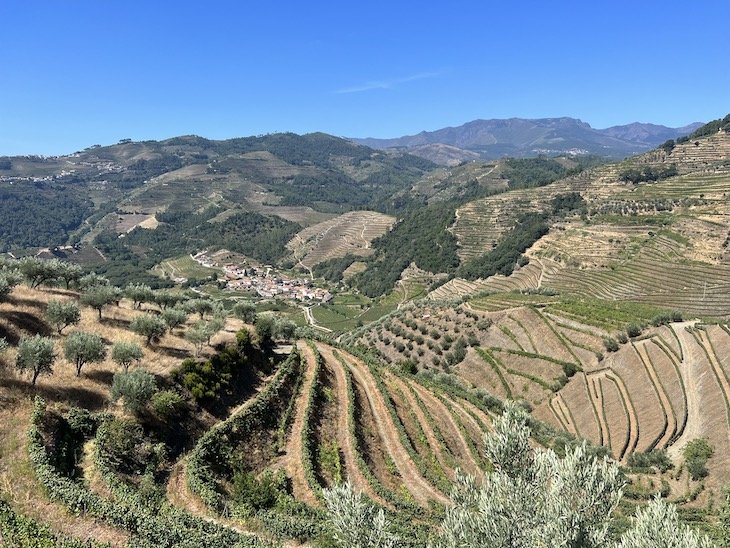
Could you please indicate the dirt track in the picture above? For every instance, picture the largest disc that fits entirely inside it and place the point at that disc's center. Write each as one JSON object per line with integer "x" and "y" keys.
{"x": 292, "y": 459}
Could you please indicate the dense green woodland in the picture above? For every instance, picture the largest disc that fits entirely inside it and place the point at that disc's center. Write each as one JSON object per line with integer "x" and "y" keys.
{"x": 503, "y": 258}
{"x": 258, "y": 236}
{"x": 40, "y": 214}
{"x": 421, "y": 237}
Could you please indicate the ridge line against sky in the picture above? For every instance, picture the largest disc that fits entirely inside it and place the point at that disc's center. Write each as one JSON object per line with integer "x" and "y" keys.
{"x": 87, "y": 72}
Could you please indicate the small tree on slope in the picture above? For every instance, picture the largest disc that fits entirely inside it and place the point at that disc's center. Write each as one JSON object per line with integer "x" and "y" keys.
{"x": 354, "y": 522}
{"x": 35, "y": 354}
{"x": 81, "y": 348}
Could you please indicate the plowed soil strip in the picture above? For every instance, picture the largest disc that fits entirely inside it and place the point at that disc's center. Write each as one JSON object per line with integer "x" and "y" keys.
{"x": 346, "y": 442}
{"x": 557, "y": 413}
{"x": 670, "y": 418}
{"x": 293, "y": 458}
{"x": 672, "y": 358}
{"x": 722, "y": 380}
{"x": 633, "y": 438}
{"x": 423, "y": 492}
{"x": 567, "y": 417}
{"x": 596, "y": 393}
{"x": 690, "y": 372}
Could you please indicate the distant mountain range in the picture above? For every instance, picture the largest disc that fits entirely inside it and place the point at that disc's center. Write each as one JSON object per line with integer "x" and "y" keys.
{"x": 519, "y": 137}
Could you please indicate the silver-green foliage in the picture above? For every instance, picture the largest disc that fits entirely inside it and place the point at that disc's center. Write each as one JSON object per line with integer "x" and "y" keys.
{"x": 245, "y": 311}
{"x": 139, "y": 293}
{"x": 61, "y": 314}
{"x": 151, "y": 327}
{"x": 124, "y": 353}
{"x": 354, "y": 522}
{"x": 658, "y": 525}
{"x": 533, "y": 498}
{"x": 135, "y": 388}
{"x": 174, "y": 317}
{"x": 35, "y": 354}
{"x": 99, "y": 296}
{"x": 81, "y": 348}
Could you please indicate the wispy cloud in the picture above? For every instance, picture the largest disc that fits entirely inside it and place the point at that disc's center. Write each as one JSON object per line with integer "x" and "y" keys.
{"x": 387, "y": 84}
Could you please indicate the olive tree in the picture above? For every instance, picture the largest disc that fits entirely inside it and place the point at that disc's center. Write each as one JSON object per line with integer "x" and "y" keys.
{"x": 124, "y": 353}
{"x": 200, "y": 306}
{"x": 9, "y": 278}
{"x": 81, "y": 348}
{"x": 70, "y": 273}
{"x": 658, "y": 525}
{"x": 151, "y": 327}
{"x": 39, "y": 271}
{"x": 135, "y": 389}
{"x": 355, "y": 522}
{"x": 531, "y": 498}
{"x": 174, "y": 317}
{"x": 198, "y": 336}
{"x": 139, "y": 293}
{"x": 245, "y": 311}
{"x": 99, "y": 296}
{"x": 35, "y": 354}
{"x": 61, "y": 314}
{"x": 166, "y": 298}
{"x": 92, "y": 279}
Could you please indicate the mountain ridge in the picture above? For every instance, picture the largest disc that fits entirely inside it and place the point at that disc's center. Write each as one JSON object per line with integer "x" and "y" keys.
{"x": 523, "y": 137}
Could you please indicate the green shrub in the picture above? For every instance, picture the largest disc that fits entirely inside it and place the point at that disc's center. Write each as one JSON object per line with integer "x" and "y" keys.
{"x": 610, "y": 344}
{"x": 258, "y": 493}
{"x": 696, "y": 454}
{"x": 167, "y": 404}
{"x": 211, "y": 379}
{"x": 633, "y": 330}
{"x": 120, "y": 443}
{"x": 656, "y": 458}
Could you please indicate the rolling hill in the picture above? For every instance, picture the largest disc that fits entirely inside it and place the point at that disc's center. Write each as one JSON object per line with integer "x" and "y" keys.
{"x": 595, "y": 295}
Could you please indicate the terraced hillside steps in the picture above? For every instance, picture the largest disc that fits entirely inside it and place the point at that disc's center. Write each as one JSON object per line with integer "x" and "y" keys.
{"x": 434, "y": 444}
{"x": 346, "y": 442}
{"x": 707, "y": 411}
{"x": 459, "y": 446}
{"x": 670, "y": 419}
{"x": 421, "y": 490}
{"x": 293, "y": 451}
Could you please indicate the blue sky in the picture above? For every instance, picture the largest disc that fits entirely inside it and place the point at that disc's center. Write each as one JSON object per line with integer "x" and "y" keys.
{"x": 77, "y": 73}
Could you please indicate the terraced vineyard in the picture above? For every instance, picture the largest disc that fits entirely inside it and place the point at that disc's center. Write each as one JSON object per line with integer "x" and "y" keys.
{"x": 350, "y": 233}
{"x": 481, "y": 223}
{"x": 396, "y": 439}
{"x": 657, "y": 392}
